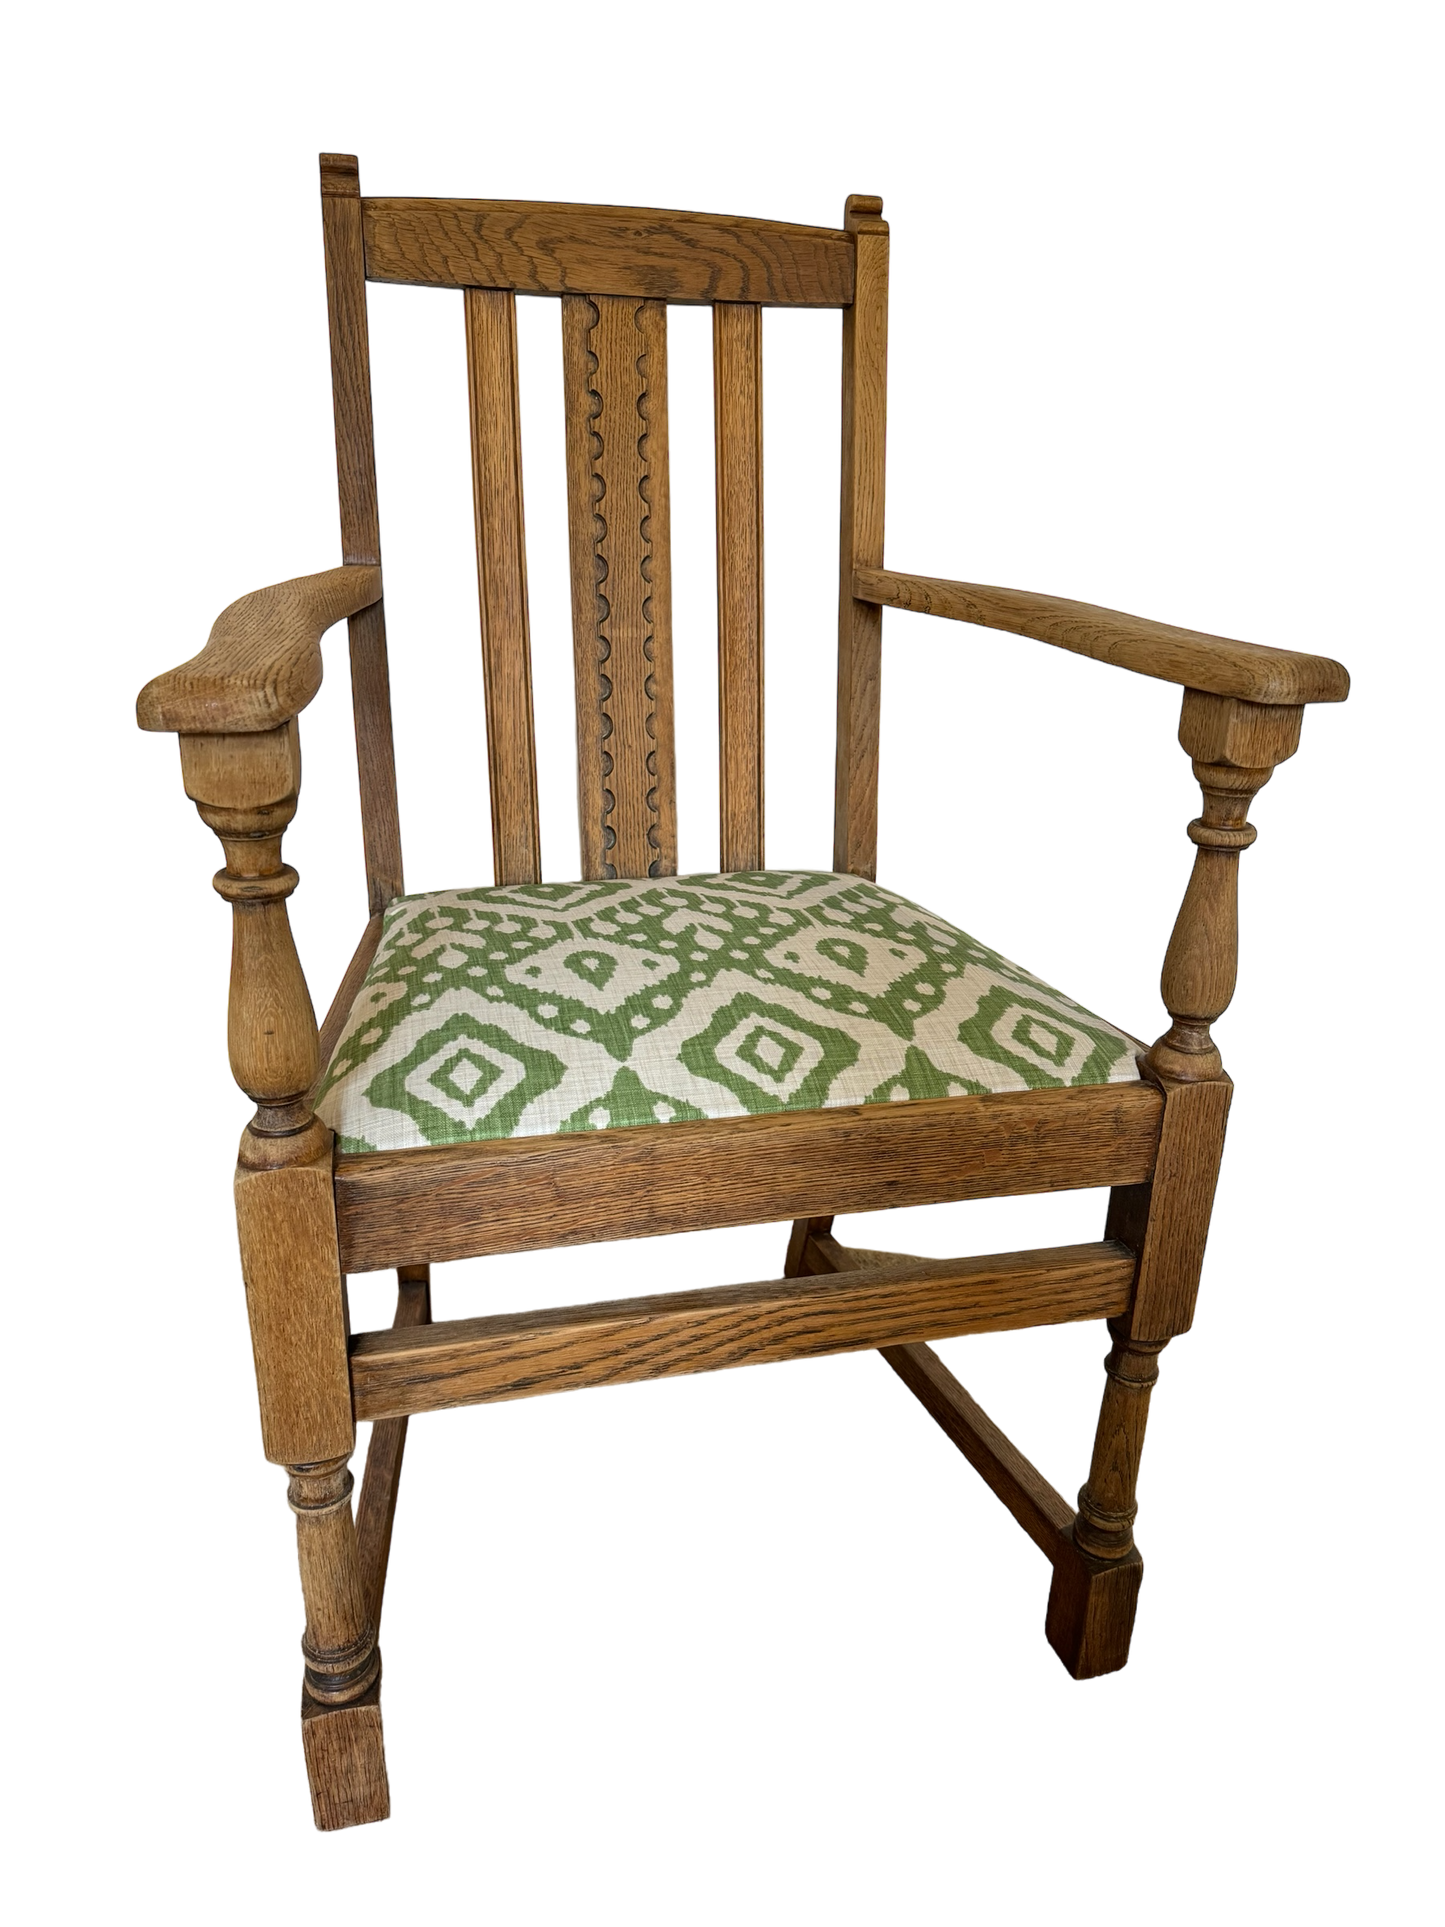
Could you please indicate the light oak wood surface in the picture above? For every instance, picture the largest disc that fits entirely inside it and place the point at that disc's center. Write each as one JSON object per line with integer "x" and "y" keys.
{"x": 521, "y": 1354}
{"x": 346, "y": 1761}
{"x": 1043, "y": 1513}
{"x": 297, "y": 1310}
{"x": 1212, "y": 663}
{"x": 860, "y": 543}
{"x": 641, "y": 253}
{"x": 262, "y": 661}
{"x": 491, "y": 323}
{"x": 339, "y": 1009}
{"x": 376, "y": 1509}
{"x": 737, "y": 360}
{"x": 360, "y": 520}
{"x": 525, "y": 1194}
{"x": 615, "y": 392}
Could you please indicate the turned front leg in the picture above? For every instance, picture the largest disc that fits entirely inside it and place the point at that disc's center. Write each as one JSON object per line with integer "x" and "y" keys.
{"x": 1098, "y": 1570}
{"x": 1235, "y": 747}
{"x": 340, "y": 1647}
{"x": 1104, "y": 1527}
{"x": 246, "y": 789}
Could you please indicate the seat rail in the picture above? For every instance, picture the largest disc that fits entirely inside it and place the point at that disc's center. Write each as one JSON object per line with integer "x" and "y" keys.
{"x": 527, "y": 1194}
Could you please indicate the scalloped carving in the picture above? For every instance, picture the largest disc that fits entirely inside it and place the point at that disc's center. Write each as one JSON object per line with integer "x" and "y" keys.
{"x": 615, "y": 354}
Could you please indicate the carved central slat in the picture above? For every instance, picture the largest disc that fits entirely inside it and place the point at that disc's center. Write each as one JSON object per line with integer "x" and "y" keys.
{"x": 615, "y": 371}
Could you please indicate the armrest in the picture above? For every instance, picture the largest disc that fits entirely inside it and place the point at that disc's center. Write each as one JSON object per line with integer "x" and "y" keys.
{"x": 262, "y": 664}
{"x": 1243, "y": 670}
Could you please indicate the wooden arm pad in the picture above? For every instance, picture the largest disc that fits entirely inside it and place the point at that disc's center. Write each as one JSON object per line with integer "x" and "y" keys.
{"x": 1213, "y": 663}
{"x": 262, "y": 664}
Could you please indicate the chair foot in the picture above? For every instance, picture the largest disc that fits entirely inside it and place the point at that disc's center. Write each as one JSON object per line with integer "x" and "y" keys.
{"x": 345, "y": 1760}
{"x": 1091, "y": 1609}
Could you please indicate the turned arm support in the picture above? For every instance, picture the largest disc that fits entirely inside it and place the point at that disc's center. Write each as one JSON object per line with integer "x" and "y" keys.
{"x": 1235, "y": 748}
{"x": 234, "y": 709}
{"x": 1215, "y": 664}
{"x": 245, "y": 788}
{"x": 1239, "y": 719}
{"x": 1243, "y": 705}
{"x": 262, "y": 664}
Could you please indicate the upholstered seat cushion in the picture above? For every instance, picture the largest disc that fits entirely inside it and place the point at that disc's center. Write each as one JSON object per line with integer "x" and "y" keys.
{"x": 543, "y": 1007}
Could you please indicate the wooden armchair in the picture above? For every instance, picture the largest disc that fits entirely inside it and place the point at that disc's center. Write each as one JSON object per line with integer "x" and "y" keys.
{"x": 535, "y": 1064}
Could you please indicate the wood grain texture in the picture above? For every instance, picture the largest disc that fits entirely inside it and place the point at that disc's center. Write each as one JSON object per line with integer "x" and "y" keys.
{"x": 1202, "y": 961}
{"x": 737, "y": 361}
{"x": 339, "y": 1644}
{"x": 1234, "y": 747}
{"x": 1040, "y": 1510}
{"x": 526, "y": 1194}
{"x": 245, "y": 789}
{"x": 661, "y": 789}
{"x": 360, "y": 523}
{"x": 643, "y": 253}
{"x": 804, "y": 1232}
{"x": 1211, "y": 663}
{"x": 271, "y": 1027}
{"x": 823, "y": 1254}
{"x": 1090, "y": 1620}
{"x": 522, "y": 1354}
{"x": 1167, "y": 1221}
{"x": 860, "y": 542}
{"x": 339, "y": 1010}
{"x": 1241, "y": 735}
{"x": 346, "y": 1761}
{"x": 297, "y": 1309}
{"x": 584, "y": 530}
{"x": 1043, "y": 1513}
{"x": 1104, "y": 1528}
{"x": 376, "y": 1509}
{"x": 262, "y": 662}
{"x": 248, "y": 783}
{"x": 615, "y": 381}
{"x": 491, "y": 325}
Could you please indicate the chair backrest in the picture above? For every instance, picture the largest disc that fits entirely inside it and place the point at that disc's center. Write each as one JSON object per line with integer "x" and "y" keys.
{"x": 615, "y": 270}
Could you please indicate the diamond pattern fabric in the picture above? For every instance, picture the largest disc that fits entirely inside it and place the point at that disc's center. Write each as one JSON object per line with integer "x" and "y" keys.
{"x": 546, "y": 1007}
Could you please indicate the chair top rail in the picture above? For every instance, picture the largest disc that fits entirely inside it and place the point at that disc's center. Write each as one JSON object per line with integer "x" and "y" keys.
{"x": 1248, "y": 671}
{"x": 558, "y": 247}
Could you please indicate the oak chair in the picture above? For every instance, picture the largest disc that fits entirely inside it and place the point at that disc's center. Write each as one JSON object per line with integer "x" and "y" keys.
{"x": 528, "y": 1065}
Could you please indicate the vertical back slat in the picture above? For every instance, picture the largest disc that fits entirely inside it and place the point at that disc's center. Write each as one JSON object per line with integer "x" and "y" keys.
{"x": 491, "y": 321}
{"x": 737, "y": 357}
{"x": 860, "y": 624}
{"x": 661, "y": 791}
{"x": 615, "y": 375}
{"x": 578, "y": 363}
{"x": 360, "y": 530}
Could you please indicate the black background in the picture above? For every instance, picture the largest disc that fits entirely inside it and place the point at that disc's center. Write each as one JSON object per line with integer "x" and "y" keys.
{"x": 1106, "y": 384}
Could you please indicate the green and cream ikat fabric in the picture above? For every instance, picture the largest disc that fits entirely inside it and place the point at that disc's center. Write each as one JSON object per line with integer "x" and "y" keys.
{"x": 543, "y": 1007}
